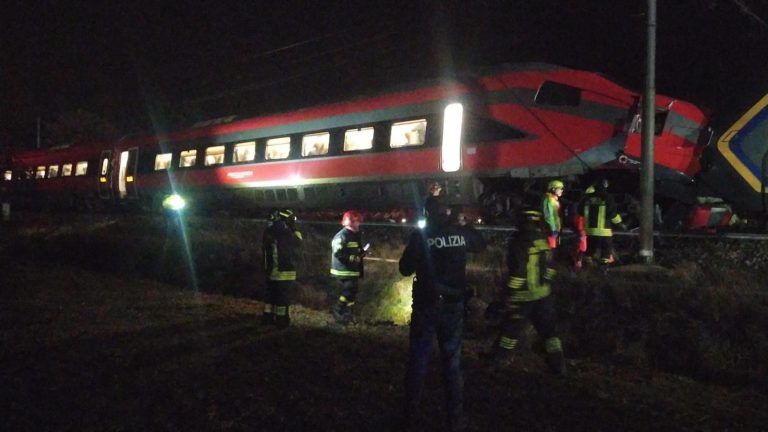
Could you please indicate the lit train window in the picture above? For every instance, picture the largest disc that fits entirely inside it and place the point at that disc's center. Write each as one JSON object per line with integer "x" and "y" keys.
{"x": 214, "y": 155}
{"x": 408, "y": 133}
{"x": 81, "y": 168}
{"x": 8, "y": 175}
{"x": 315, "y": 144}
{"x": 53, "y": 171}
{"x": 244, "y": 152}
{"x": 188, "y": 158}
{"x": 358, "y": 139}
{"x": 66, "y": 170}
{"x": 278, "y": 148}
{"x": 162, "y": 161}
{"x": 40, "y": 172}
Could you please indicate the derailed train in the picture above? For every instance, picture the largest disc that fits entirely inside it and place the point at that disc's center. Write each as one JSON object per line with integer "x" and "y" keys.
{"x": 487, "y": 139}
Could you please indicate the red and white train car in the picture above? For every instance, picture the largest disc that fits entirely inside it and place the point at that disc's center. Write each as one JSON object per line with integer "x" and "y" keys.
{"x": 504, "y": 129}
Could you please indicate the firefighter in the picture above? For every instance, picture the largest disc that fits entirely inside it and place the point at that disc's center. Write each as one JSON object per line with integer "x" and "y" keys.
{"x": 437, "y": 256}
{"x": 578, "y": 223}
{"x": 599, "y": 216}
{"x": 347, "y": 255}
{"x": 527, "y": 294}
{"x": 280, "y": 246}
{"x": 550, "y": 207}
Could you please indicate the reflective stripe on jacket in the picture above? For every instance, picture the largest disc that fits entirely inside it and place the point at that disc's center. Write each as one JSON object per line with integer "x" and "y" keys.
{"x": 529, "y": 272}
{"x": 347, "y": 254}
{"x": 280, "y": 247}
{"x": 600, "y": 215}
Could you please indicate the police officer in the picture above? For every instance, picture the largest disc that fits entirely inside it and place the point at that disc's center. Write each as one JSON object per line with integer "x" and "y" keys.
{"x": 437, "y": 255}
{"x": 527, "y": 295}
{"x": 550, "y": 207}
{"x": 599, "y": 216}
{"x": 347, "y": 254}
{"x": 280, "y": 246}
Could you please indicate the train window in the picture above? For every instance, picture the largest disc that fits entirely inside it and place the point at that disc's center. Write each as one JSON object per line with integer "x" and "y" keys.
{"x": 244, "y": 152}
{"x": 482, "y": 129}
{"x": 53, "y": 171}
{"x": 408, "y": 133}
{"x": 278, "y": 148}
{"x": 556, "y": 94}
{"x": 358, "y": 139}
{"x": 66, "y": 170}
{"x": 81, "y": 168}
{"x": 8, "y": 175}
{"x": 163, "y": 161}
{"x": 40, "y": 172}
{"x": 188, "y": 158}
{"x": 315, "y": 144}
{"x": 659, "y": 121}
{"x": 214, "y": 155}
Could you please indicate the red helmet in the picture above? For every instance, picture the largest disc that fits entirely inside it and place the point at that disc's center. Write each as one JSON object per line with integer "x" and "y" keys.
{"x": 349, "y": 216}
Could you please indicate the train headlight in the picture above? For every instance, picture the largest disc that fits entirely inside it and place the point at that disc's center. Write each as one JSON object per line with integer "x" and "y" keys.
{"x": 450, "y": 155}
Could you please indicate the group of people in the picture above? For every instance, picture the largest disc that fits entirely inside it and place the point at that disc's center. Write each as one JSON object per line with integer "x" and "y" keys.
{"x": 595, "y": 217}
{"x": 436, "y": 256}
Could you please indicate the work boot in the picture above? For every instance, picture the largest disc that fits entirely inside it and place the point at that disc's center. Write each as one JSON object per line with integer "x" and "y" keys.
{"x": 556, "y": 362}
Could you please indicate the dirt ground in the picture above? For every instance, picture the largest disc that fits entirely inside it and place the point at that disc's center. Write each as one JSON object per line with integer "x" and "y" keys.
{"x": 82, "y": 350}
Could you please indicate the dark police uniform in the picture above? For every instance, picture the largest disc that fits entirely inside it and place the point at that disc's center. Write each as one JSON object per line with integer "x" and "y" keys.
{"x": 280, "y": 247}
{"x": 437, "y": 255}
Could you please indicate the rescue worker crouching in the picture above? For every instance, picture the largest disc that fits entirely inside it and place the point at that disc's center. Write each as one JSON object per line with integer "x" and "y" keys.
{"x": 550, "y": 207}
{"x": 437, "y": 256}
{"x": 527, "y": 294}
{"x": 280, "y": 246}
{"x": 347, "y": 255}
{"x": 598, "y": 215}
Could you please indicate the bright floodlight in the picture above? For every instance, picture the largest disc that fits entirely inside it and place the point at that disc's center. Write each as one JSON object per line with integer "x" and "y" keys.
{"x": 451, "y": 149}
{"x": 176, "y": 202}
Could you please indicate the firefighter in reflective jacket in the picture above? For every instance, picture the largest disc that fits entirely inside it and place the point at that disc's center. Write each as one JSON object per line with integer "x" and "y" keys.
{"x": 527, "y": 295}
{"x": 280, "y": 246}
{"x": 550, "y": 207}
{"x": 598, "y": 216}
{"x": 347, "y": 254}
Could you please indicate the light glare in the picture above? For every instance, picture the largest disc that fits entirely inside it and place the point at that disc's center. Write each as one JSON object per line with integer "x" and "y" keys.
{"x": 451, "y": 148}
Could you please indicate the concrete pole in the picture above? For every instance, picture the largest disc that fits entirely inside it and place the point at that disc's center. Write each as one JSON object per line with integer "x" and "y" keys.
{"x": 649, "y": 117}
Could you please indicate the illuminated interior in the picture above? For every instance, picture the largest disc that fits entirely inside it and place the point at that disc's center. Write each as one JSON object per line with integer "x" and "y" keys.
{"x": 408, "y": 133}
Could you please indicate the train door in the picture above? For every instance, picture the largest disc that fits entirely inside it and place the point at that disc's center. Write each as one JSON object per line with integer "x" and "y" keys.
{"x": 126, "y": 176}
{"x": 105, "y": 175}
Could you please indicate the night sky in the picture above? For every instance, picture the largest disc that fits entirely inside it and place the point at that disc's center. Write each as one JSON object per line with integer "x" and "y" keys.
{"x": 153, "y": 65}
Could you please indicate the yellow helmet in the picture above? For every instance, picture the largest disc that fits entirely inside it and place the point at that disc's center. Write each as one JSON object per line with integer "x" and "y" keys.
{"x": 555, "y": 184}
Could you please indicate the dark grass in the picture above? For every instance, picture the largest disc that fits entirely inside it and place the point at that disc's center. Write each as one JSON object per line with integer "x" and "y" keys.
{"x": 91, "y": 340}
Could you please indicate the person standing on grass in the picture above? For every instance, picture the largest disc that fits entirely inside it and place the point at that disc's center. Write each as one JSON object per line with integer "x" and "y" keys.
{"x": 280, "y": 244}
{"x": 437, "y": 255}
{"x": 527, "y": 295}
{"x": 550, "y": 207}
{"x": 347, "y": 253}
